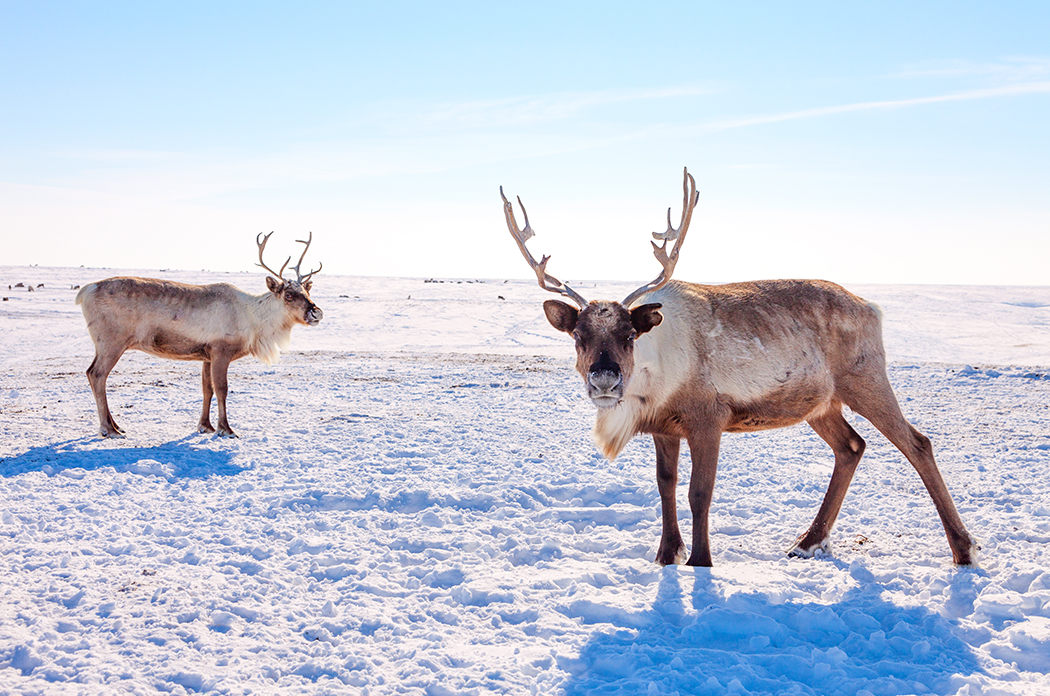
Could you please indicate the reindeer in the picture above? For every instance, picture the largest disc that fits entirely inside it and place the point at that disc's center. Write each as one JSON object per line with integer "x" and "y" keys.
{"x": 216, "y": 324}
{"x": 679, "y": 360}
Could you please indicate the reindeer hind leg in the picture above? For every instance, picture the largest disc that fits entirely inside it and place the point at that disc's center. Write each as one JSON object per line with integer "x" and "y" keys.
{"x": 97, "y": 374}
{"x": 848, "y": 447}
{"x": 875, "y": 401}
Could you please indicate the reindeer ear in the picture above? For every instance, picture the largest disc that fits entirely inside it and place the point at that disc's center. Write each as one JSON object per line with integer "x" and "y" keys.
{"x": 646, "y": 317}
{"x": 561, "y": 316}
{"x": 307, "y": 284}
{"x": 275, "y": 286}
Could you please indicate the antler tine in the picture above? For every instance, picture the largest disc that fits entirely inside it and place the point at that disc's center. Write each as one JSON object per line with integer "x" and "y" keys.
{"x": 546, "y": 280}
{"x": 690, "y": 197}
{"x": 304, "y": 278}
{"x": 262, "y": 247}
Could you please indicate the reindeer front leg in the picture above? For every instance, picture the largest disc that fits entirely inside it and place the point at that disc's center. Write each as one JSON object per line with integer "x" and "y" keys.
{"x": 703, "y": 446}
{"x": 672, "y": 549}
{"x": 219, "y": 364}
{"x": 205, "y": 426}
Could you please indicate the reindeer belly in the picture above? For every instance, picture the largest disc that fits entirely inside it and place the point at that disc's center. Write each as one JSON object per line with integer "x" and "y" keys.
{"x": 190, "y": 334}
{"x": 177, "y": 337}
{"x": 165, "y": 343}
{"x": 768, "y": 388}
{"x": 779, "y": 410}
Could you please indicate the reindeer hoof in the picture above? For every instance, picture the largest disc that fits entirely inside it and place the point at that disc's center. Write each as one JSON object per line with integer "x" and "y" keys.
{"x": 665, "y": 558}
{"x": 968, "y": 558}
{"x": 114, "y": 434}
{"x": 699, "y": 560}
{"x": 226, "y": 433}
{"x": 802, "y": 548}
{"x": 205, "y": 428}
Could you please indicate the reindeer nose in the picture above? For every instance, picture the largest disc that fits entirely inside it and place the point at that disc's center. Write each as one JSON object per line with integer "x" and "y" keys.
{"x": 604, "y": 363}
{"x": 604, "y": 373}
{"x": 604, "y": 380}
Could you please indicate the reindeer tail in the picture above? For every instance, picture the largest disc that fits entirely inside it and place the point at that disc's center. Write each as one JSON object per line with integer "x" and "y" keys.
{"x": 89, "y": 288}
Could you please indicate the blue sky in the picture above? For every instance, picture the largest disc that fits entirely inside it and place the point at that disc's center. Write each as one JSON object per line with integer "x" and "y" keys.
{"x": 885, "y": 143}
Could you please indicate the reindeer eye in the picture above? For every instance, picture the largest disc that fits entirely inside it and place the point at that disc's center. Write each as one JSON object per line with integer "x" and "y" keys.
{"x": 288, "y": 296}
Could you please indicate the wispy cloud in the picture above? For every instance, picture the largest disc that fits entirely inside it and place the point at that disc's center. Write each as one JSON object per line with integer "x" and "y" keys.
{"x": 517, "y": 111}
{"x": 446, "y": 147}
{"x": 885, "y": 105}
{"x": 1011, "y": 69}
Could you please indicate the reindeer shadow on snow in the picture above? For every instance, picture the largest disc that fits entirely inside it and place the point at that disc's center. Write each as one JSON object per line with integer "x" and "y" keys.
{"x": 178, "y": 459}
{"x": 754, "y": 642}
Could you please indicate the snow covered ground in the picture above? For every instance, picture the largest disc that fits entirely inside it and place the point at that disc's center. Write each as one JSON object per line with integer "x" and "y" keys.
{"x": 414, "y": 505}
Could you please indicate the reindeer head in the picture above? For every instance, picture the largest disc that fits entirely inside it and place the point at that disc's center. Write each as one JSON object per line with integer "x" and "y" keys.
{"x": 605, "y": 331}
{"x": 293, "y": 294}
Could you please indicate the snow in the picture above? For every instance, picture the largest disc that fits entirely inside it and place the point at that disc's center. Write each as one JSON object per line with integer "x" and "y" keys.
{"x": 415, "y": 506}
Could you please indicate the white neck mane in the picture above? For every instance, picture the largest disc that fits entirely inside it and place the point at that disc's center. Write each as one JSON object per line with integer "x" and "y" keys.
{"x": 614, "y": 427}
{"x": 271, "y": 328}
{"x": 663, "y": 359}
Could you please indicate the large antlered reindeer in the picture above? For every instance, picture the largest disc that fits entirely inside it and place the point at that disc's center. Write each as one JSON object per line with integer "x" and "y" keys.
{"x": 216, "y": 324}
{"x": 680, "y": 360}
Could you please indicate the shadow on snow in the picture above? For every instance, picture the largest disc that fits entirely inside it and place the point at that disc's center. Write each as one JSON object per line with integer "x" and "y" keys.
{"x": 171, "y": 460}
{"x": 753, "y": 643}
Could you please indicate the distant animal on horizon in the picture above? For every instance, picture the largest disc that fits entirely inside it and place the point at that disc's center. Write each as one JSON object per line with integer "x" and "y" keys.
{"x": 679, "y": 360}
{"x": 216, "y": 324}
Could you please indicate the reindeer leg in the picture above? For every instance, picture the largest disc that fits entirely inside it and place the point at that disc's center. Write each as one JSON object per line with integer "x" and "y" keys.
{"x": 672, "y": 549}
{"x": 205, "y": 426}
{"x": 97, "y": 374}
{"x": 879, "y": 405}
{"x": 848, "y": 447}
{"x": 219, "y": 365}
{"x": 703, "y": 442}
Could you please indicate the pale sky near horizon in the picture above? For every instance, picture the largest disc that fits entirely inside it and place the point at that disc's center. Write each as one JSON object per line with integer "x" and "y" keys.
{"x": 887, "y": 143}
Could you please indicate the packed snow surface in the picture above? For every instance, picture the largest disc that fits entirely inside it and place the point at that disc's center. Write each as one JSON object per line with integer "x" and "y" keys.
{"x": 415, "y": 506}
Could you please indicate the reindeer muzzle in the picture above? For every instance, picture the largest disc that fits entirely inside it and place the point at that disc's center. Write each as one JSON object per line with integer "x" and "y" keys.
{"x": 314, "y": 316}
{"x": 605, "y": 381}
{"x": 605, "y": 387}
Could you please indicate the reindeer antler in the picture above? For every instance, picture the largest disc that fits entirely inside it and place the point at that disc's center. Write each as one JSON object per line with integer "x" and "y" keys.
{"x": 262, "y": 247}
{"x": 304, "y": 278}
{"x": 546, "y": 281}
{"x": 668, "y": 261}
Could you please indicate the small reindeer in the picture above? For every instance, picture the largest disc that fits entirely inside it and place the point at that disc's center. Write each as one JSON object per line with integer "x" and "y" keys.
{"x": 684, "y": 361}
{"x": 215, "y": 324}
